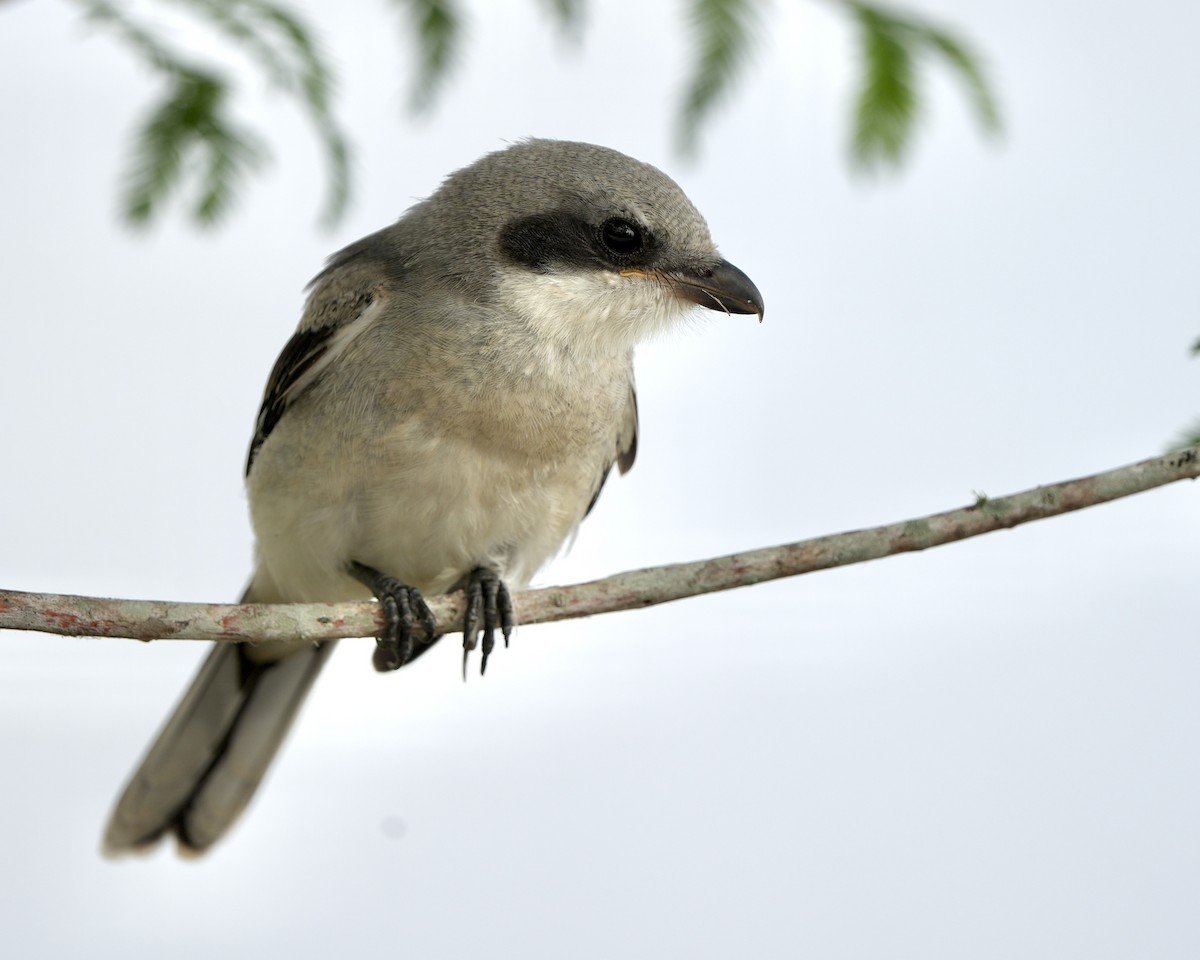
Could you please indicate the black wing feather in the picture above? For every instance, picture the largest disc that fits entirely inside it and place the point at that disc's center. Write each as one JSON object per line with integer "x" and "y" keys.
{"x": 329, "y": 310}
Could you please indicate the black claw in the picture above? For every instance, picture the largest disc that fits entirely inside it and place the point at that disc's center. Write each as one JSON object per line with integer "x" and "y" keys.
{"x": 402, "y": 606}
{"x": 404, "y": 602}
{"x": 504, "y": 601}
{"x": 471, "y": 616}
{"x": 489, "y": 606}
{"x": 391, "y": 647}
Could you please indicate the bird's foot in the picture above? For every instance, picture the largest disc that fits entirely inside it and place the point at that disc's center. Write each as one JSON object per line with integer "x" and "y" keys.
{"x": 403, "y": 609}
{"x": 489, "y": 606}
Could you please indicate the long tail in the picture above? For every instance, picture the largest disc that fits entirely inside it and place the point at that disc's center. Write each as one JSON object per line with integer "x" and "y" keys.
{"x": 200, "y": 773}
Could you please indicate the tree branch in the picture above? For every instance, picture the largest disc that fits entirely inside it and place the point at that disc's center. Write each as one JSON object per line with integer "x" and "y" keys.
{"x": 154, "y": 620}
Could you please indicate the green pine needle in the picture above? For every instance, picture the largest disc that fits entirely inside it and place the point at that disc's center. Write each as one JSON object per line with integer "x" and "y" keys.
{"x": 316, "y": 83}
{"x": 1191, "y": 435}
{"x": 189, "y": 129}
{"x": 190, "y": 135}
{"x": 284, "y": 48}
{"x": 568, "y": 14}
{"x": 987, "y": 111}
{"x": 889, "y": 100}
{"x": 724, "y": 31}
{"x": 438, "y": 27}
{"x": 1188, "y": 438}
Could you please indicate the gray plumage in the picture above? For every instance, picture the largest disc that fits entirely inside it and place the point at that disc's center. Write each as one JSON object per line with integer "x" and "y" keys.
{"x": 458, "y": 388}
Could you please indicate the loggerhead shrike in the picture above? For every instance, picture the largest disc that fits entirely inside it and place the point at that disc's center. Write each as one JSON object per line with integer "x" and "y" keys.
{"x": 445, "y": 415}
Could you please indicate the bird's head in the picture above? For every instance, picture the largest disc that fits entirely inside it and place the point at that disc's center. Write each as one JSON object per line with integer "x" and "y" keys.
{"x": 585, "y": 243}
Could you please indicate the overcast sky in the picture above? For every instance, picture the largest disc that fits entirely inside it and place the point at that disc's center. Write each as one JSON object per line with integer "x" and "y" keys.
{"x": 985, "y": 750}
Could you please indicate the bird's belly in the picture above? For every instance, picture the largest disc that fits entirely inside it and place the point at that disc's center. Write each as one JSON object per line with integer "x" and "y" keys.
{"x": 421, "y": 508}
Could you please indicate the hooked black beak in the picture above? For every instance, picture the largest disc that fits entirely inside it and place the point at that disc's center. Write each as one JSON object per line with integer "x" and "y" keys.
{"x": 721, "y": 286}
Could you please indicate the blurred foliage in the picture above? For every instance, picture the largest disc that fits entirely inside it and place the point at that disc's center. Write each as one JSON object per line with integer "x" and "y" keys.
{"x": 568, "y": 13}
{"x": 724, "y": 32}
{"x": 189, "y": 140}
{"x": 190, "y": 134}
{"x": 436, "y": 27}
{"x": 1190, "y": 436}
{"x": 888, "y": 101}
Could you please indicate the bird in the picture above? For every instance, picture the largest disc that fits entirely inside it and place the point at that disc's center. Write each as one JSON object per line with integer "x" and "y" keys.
{"x": 458, "y": 389}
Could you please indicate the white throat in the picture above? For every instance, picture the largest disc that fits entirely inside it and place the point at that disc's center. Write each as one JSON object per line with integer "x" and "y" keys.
{"x": 594, "y": 311}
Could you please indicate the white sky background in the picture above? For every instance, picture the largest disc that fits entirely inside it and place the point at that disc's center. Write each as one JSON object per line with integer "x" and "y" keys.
{"x": 985, "y": 750}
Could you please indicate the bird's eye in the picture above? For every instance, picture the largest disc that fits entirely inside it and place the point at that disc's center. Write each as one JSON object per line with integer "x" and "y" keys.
{"x": 620, "y": 237}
